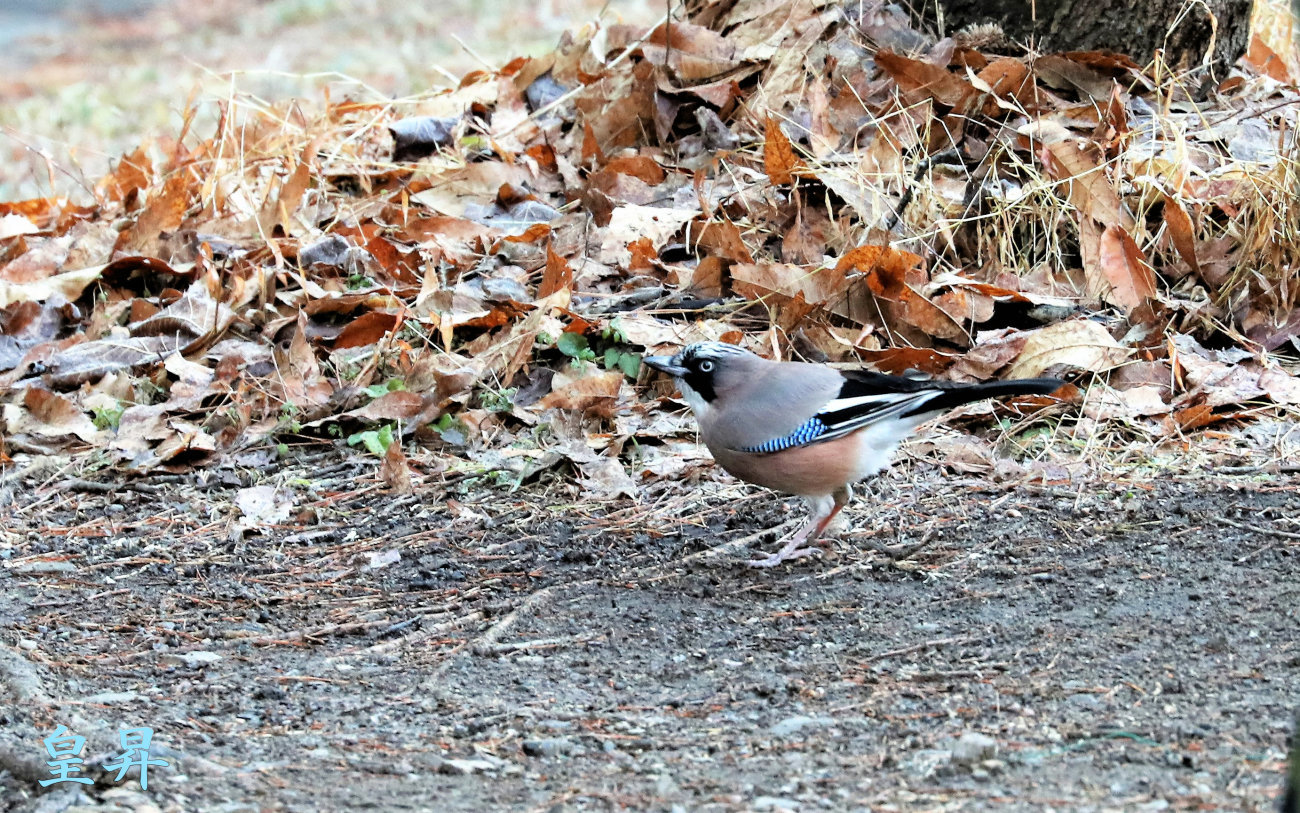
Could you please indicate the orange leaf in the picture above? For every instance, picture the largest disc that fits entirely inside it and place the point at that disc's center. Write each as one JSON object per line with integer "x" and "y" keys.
{"x": 722, "y": 238}
{"x": 885, "y": 268}
{"x": 127, "y": 179}
{"x": 592, "y": 155}
{"x": 644, "y": 254}
{"x": 533, "y": 234}
{"x": 1266, "y": 60}
{"x": 778, "y": 155}
{"x": 925, "y": 79}
{"x": 558, "y": 274}
{"x": 1126, "y": 278}
{"x": 366, "y": 329}
{"x": 164, "y": 212}
{"x": 642, "y": 167}
{"x": 1181, "y": 232}
{"x": 1009, "y": 79}
{"x": 544, "y": 155}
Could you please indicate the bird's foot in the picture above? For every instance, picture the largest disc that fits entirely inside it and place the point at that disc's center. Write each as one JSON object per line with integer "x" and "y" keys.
{"x": 783, "y": 555}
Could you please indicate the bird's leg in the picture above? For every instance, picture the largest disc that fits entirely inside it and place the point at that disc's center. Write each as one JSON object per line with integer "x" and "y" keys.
{"x": 823, "y": 513}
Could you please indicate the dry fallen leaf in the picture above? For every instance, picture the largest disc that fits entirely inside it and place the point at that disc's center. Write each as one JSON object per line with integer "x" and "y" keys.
{"x": 778, "y": 155}
{"x": 1080, "y": 343}
{"x": 1122, "y": 275}
{"x": 394, "y": 471}
{"x": 585, "y": 389}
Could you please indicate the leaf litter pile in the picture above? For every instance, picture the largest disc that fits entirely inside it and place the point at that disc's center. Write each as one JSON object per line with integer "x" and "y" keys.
{"x": 476, "y": 272}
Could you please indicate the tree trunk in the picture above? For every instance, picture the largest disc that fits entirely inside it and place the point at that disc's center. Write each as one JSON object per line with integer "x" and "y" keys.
{"x": 1135, "y": 27}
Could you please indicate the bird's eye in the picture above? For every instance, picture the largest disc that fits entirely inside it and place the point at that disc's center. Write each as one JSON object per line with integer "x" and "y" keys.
{"x": 706, "y": 366}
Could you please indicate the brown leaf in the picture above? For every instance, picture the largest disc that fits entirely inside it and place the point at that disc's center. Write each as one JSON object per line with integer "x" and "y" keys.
{"x": 196, "y": 315}
{"x": 805, "y": 242}
{"x": 779, "y": 159}
{"x": 818, "y": 286}
{"x": 693, "y": 52}
{"x": 1181, "y": 232}
{"x": 1089, "y": 189}
{"x": 706, "y": 279}
{"x": 164, "y": 211}
{"x": 898, "y": 360}
{"x": 366, "y": 329}
{"x": 68, "y": 285}
{"x": 1063, "y": 73}
{"x": 94, "y": 359}
{"x": 394, "y": 471}
{"x": 1122, "y": 275}
{"x": 822, "y": 134}
{"x": 921, "y": 80}
{"x": 49, "y": 415}
{"x": 722, "y": 238}
{"x": 558, "y": 273}
{"x": 586, "y": 389}
{"x": 885, "y": 267}
{"x": 1080, "y": 343}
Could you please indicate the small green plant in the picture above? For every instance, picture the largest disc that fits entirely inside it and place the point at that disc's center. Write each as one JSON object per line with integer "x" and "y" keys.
{"x": 451, "y": 429}
{"x": 359, "y": 281}
{"x": 108, "y": 417}
{"x": 574, "y": 345}
{"x": 613, "y": 332}
{"x": 379, "y": 390}
{"x": 289, "y": 417}
{"x": 625, "y": 360}
{"x": 499, "y": 400}
{"x": 375, "y": 441}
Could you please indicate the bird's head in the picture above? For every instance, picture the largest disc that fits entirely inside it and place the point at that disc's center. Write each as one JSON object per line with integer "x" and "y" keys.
{"x": 705, "y": 370}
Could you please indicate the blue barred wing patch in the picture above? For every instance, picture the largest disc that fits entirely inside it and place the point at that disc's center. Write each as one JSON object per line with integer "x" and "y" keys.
{"x": 811, "y": 429}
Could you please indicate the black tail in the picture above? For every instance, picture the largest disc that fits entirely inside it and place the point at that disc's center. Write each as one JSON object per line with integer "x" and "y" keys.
{"x": 954, "y": 395}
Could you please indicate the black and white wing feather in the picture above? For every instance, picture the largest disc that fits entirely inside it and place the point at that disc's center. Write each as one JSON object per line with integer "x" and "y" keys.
{"x": 868, "y": 398}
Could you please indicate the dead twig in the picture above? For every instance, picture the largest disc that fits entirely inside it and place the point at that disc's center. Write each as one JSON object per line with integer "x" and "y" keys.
{"x": 1257, "y": 529}
{"x": 937, "y": 642}
{"x": 540, "y": 643}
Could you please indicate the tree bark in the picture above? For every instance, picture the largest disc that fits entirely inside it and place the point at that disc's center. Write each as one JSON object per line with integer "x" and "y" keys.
{"x": 1135, "y": 27}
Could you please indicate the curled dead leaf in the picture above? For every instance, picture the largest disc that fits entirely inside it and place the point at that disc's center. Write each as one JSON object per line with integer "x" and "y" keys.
{"x": 1080, "y": 343}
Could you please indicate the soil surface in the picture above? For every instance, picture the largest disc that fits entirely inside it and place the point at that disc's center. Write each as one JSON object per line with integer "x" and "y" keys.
{"x": 964, "y": 645}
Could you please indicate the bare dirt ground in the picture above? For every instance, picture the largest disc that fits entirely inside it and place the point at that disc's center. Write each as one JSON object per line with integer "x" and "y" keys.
{"x": 972, "y": 645}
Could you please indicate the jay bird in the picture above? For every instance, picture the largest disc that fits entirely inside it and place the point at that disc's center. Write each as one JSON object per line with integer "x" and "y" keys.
{"x": 808, "y": 429}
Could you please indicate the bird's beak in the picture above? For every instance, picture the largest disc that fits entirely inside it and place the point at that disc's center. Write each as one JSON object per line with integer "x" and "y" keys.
{"x": 665, "y": 364}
